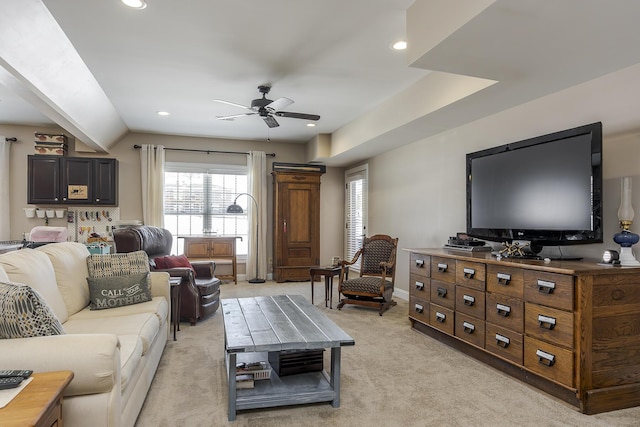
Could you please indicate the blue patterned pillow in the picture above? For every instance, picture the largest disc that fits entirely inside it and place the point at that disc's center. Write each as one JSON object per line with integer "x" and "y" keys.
{"x": 25, "y": 314}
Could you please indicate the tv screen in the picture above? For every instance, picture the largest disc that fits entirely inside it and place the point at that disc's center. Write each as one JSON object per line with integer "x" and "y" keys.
{"x": 546, "y": 190}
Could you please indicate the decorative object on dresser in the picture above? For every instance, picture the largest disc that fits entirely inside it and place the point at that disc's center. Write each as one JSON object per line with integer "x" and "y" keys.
{"x": 374, "y": 287}
{"x": 561, "y": 326}
{"x": 200, "y": 291}
{"x": 626, "y": 239}
{"x": 296, "y": 230}
{"x": 235, "y": 208}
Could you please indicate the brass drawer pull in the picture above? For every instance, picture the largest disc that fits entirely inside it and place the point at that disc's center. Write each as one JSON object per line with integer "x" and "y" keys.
{"x": 419, "y": 263}
{"x": 440, "y": 317}
{"x": 503, "y": 278}
{"x": 546, "y": 287}
{"x": 545, "y": 358}
{"x": 442, "y": 268}
{"x": 442, "y": 292}
{"x": 503, "y": 310}
{"x": 502, "y": 341}
{"x": 546, "y": 322}
{"x": 468, "y": 300}
{"x": 469, "y": 273}
{"x": 419, "y": 308}
{"x": 468, "y": 327}
{"x": 420, "y": 286}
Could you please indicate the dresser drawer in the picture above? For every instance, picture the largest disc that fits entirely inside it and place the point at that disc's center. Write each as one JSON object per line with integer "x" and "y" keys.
{"x": 470, "y": 329}
{"x": 549, "y": 324}
{"x": 550, "y": 361}
{"x": 470, "y": 301}
{"x": 419, "y": 309}
{"x": 443, "y": 294}
{"x": 551, "y": 289}
{"x": 441, "y": 318}
{"x": 419, "y": 286}
{"x": 420, "y": 264}
{"x": 504, "y": 342}
{"x": 505, "y": 311}
{"x": 505, "y": 280}
{"x": 471, "y": 274}
{"x": 443, "y": 269}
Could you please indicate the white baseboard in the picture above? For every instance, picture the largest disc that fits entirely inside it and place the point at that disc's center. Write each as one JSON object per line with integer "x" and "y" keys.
{"x": 401, "y": 294}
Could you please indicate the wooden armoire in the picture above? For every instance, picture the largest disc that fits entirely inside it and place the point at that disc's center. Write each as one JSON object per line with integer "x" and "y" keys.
{"x": 296, "y": 231}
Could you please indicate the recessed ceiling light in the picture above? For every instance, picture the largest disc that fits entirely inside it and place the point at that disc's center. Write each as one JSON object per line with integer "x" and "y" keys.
{"x": 163, "y": 113}
{"x": 135, "y": 4}
{"x": 311, "y": 125}
{"x": 399, "y": 45}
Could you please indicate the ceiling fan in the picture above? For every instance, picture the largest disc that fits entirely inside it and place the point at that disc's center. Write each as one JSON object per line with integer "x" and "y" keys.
{"x": 267, "y": 109}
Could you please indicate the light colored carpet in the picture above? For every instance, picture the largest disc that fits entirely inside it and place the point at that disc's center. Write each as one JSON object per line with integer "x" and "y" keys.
{"x": 393, "y": 376}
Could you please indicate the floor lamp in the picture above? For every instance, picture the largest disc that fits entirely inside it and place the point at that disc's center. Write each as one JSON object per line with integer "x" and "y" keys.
{"x": 237, "y": 209}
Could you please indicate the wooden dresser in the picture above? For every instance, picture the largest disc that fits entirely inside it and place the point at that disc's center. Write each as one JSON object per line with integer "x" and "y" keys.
{"x": 570, "y": 328}
{"x": 221, "y": 249}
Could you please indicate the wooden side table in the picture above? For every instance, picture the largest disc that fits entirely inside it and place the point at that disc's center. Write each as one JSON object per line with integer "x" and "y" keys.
{"x": 175, "y": 283}
{"x": 221, "y": 249}
{"x": 328, "y": 272}
{"x": 40, "y": 403}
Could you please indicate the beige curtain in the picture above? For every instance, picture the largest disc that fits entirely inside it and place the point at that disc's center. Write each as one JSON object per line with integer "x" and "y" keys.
{"x": 5, "y": 224}
{"x": 152, "y": 174}
{"x": 257, "y": 186}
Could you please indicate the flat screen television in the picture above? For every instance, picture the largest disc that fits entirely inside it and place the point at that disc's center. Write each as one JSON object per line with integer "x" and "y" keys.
{"x": 545, "y": 190}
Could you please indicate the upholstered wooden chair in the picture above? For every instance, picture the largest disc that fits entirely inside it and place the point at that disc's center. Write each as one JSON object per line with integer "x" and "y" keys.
{"x": 374, "y": 286}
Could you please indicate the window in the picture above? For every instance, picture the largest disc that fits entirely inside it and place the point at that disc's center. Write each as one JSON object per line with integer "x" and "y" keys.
{"x": 196, "y": 198}
{"x": 355, "y": 210}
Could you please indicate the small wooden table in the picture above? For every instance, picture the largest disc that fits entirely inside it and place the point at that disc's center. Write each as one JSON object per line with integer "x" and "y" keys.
{"x": 40, "y": 403}
{"x": 328, "y": 272}
{"x": 175, "y": 283}
{"x": 221, "y": 249}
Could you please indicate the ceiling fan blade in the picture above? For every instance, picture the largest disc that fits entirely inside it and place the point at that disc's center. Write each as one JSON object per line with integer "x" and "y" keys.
{"x": 233, "y": 116}
{"x": 270, "y": 121}
{"x": 279, "y": 104}
{"x": 232, "y": 103}
{"x": 297, "y": 115}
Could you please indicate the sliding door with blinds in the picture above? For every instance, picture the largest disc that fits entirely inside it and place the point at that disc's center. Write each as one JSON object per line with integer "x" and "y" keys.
{"x": 356, "y": 192}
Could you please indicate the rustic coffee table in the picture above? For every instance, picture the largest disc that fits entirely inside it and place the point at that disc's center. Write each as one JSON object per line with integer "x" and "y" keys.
{"x": 253, "y": 327}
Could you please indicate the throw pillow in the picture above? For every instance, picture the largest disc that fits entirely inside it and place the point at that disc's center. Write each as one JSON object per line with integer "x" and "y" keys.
{"x": 173, "y": 261}
{"x": 118, "y": 264}
{"x": 25, "y": 314}
{"x": 118, "y": 291}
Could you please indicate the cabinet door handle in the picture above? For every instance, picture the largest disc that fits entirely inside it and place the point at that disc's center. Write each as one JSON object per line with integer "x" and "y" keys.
{"x": 502, "y": 341}
{"x": 545, "y": 286}
{"x": 440, "y": 317}
{"x": 503, "y": 310}
{"x": 419, "y": 308}
{"x": 419, "y": 263}
{"x": 468, "y": 327}
{"x": 284, "y": 227}
{"x": 503, "y": 278}
{"x": 545, "y": 358}
{"x": 546, "y": 322}
{"x": 468, "y": 300}
{"x": 442, "y": 268}
{"x": 420, "y": 286}
{"x": 442, "y": 292}
{"x": 469, "y": 273}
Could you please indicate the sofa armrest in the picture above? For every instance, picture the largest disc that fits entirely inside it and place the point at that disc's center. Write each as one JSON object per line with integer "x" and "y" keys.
{"x": 204, "y": 268}
{"x": 93, "y": 358}
{"x": 160, "y": 285}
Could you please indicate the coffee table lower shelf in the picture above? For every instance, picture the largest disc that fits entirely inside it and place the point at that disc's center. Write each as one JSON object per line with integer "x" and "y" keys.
{"x": 298, "y": 389}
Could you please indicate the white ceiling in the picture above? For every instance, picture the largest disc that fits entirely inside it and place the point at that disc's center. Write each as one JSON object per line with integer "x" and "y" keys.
{"x": 332, "y": 57}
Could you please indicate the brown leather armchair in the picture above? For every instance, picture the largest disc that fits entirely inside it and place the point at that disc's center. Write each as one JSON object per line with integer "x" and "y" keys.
{"x": 200, "y": 292}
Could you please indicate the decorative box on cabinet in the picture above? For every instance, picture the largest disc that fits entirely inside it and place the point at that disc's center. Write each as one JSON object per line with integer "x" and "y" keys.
{"x": 72, "y": 180}
{"x": 568, "y": 328}
{"x": 296, "y": 230}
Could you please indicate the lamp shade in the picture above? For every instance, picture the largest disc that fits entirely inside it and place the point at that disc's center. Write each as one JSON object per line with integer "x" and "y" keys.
{"x": 625, "y": 212}
{"x": 235, "y": 209}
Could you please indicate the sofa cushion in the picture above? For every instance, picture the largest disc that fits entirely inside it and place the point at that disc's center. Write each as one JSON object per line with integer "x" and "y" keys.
{"x": 109, "y": 265}
{"x": 33, "y": 268}
{"x": 130, "y": 355}
{"x": 144, "y": 325}
{"x": 69, "y": 260}
{"x": 3, "y": 275}
{"x": 158, "y": 305}
{"x": 118, "y": 291}
{"x": 25, "y": 314}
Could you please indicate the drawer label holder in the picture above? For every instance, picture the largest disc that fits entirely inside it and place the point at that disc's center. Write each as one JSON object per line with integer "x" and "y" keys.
{"x": 419, "y": 263}
{"x": 502, "y": 341}
{"x": 503, "y": 278}
{"x": 442, "y": 267}
{"x": 503, "y": 310}
{"x": 419, "y": 285}
{"x": 468, "y": 327}
{"x": 468, "y": 300}
{"x": 469, "y": 273}
{"x": 419, "y": 308}
{"x": 442, "y": 292}
{"x": 440, "y": 317}
{"x": 546, "y": 322}
{"x": 545, "y": 358}
{"x": 546, "y": 287}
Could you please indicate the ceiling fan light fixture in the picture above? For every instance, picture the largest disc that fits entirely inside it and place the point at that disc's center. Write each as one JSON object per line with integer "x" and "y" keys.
{"x": 135, "y": 4}
{"x": 311, "y": 125}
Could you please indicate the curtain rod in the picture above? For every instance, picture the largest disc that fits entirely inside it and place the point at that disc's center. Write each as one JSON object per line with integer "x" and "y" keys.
{"x": 206, "y": 151}
{"x": 11, "y": 139}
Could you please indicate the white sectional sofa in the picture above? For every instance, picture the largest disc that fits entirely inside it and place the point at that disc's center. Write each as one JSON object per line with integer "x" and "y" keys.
{"x": 113, "y": 353}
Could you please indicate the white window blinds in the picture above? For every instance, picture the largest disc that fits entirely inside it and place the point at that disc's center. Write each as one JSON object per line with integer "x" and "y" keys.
{"x": 355, "y": 210}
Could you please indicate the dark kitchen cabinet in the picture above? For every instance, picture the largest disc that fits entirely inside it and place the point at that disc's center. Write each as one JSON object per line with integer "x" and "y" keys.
{"x": 72, "y": 180}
